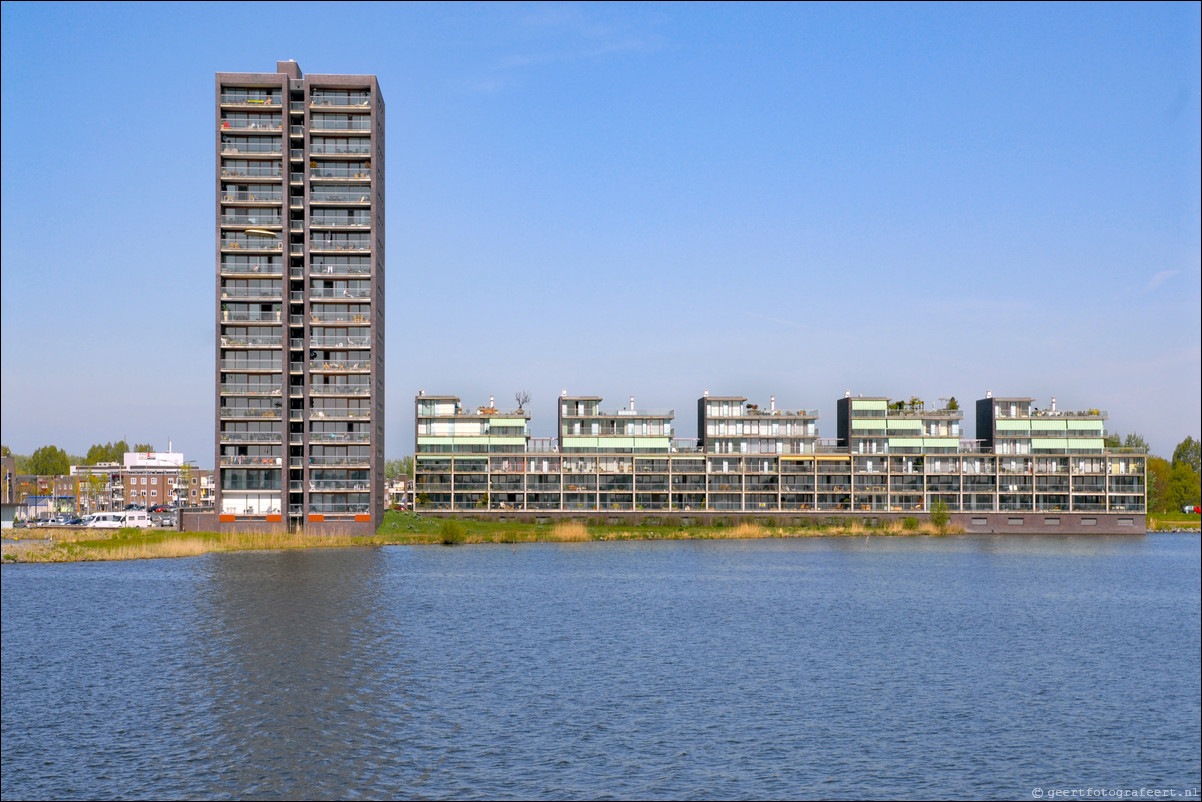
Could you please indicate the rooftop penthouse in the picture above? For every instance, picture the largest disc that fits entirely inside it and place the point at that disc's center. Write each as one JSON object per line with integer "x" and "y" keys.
{"x": 890, "y": 457}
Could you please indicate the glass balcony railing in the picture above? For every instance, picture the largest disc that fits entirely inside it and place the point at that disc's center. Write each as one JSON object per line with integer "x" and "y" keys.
{"x": 245, "y": 460}
{"x": 341, "y": 195}
{"x": 264, "y": 123}
{"x": 250, "y": 99}
{"x": 347, "y": 292}
{"x": 340, "y": 389}
{"x": 252, "y": 342}
{"x": 252, "y": 268}
{"x": 250, "y": 437}
{"x": 251, "y": 364}
{"x": 252, "y": 389}
{"x": 336, "y": 414}
{"x": 356, "y": 220}
{"x": 252, "y": 220}
{"x": 257, "y": 148}
{"x": 340, "y": 99}
{"x": 340, "y": 149}
{"x": 339, "y": 171}
{"x": 251, "y": 244}
{"x": 339, "y": 462}
{"x": 320, "y": 317}
{"x": 339, "y": 437}
{"x": 252, "y": 171}
{"x": 340, "y": 485}
{"x": 329, "y": 366}
{"x": 340, "y": 245}
{"x": 332, "y": 122}
{"x": 340, "y": 342}
{"x": 340, "y": 509}
{"x": 265, "y": 196}
{"x": 249, "y": 316}
{"x": 319, "y": 269}
{"x": 266, "y": 413}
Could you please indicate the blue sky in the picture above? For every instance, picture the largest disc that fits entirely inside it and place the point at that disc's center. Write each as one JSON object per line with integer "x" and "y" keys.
{"x": 647, "y": 200}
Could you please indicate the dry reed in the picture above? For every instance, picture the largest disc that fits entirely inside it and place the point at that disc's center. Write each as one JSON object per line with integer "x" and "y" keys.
{"x": 570, "y": 531}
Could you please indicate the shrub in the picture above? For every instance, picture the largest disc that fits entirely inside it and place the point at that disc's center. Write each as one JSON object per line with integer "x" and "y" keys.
{"x": 451, "y": 532}
{"x": 909, "y": 524}
{"x": 939, "y": 513}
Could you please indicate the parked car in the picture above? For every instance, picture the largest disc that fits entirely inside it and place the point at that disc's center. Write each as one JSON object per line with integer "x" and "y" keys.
{"x": 1192, "y": 508}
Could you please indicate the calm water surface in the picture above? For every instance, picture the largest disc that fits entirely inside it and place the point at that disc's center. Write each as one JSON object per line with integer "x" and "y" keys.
{"x": 906, "y": 667}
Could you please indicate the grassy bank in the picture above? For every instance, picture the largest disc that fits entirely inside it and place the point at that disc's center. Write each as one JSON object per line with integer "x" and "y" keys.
{"x": 76, "y": 545}
{"x": 1173, "y": 521}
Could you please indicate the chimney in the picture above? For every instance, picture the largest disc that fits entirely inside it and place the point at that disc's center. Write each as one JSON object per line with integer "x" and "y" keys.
{"x": 1053, "y": 403}
{"x": 772, "y": 403}
{"x": 632, "y": 403}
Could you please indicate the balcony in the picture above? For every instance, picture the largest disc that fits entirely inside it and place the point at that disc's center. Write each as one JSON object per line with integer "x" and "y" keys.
{"x": 338, "y": 414}
{"x": 339, "y": 437}
{"x": 318, "y": 269}
{"x": 252, "y": 365}
{"x": 351, "y": 366}
{"x": 252, "y": 244}
{"x": 252, "y": 269}
{"x": 256, "y": 100}
{"x": 340, "y": 295}
{"x": 355, "y": 221}
{"x": 259, "y": 341}
{"x": 263, "y": 196}
{"x": 252, "y": 389}
{"x": 258, "y": 293}
{"x": 350, "y": 122}
{"x": 340, "y": 485}
{"x": 340, "y": 100}
{"x": 249, "y": 316}
{"x": 255, "y": 148}
{"x": 260, "y": 462}
{"x": 340, "y": 389}
{"x": 339, "y": 171}
{"x": 252, "y": 170}
{"x": 340, "y": 462}
{"x": 320, "y": 318}
{"x": 361, "y": 246}
{"x": 362, "y": 148}
{"x": 250, "y": 437}
{"x": 340, "y": 342}
{"x": 259, "y": 413}
{"x": 251, "y": 124}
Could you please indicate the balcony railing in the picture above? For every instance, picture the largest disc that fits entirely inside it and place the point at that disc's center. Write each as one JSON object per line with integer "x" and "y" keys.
{"x": 253, "y": 268}
{"x": 340, "y": 342}
{"x": 340, "y": 197}
{"x": 340, "y": 389}
{"x": 329, "y": 171}
{"x": 340, "y": 245}
{"x": 252, "y": 342}
{"x": 249, "y": 99}
{"x": 335, "y": 367}
{"x": 340, "y": 270}
{"x": 340, "y": 509}
{"x": 327, "y": 318}
{"x": 264, "y": 413}
{"x": 357, "y": 122}
{"x": 340, "y": 101}
{"x": 249, "y": 316}
{"x": 250, "y": 437}
{"x": 252, "y": 365}
{"x": 326, "y": 414}
{"x": 258, "y": 461}
{"x": 253, "y": 171}
{"x": 251, "y": 245}
{"x": 350, "y": 149}
{"x": 339, "y": 437}
{"x": 358, "y": 221}
{"x": 251, "y": 125}
{"x": 257, "y": 148}
{"x": 346, "y": 292}
{"x": 252, "y": 389}
{"x": 339, "y": 462}
{"x": 340, "y": 485}
{"x": 252, "y": 221}
{"x": 265, "y": 196}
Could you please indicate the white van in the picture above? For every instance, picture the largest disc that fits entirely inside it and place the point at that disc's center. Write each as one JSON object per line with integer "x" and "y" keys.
{"x": 116, "y": 520}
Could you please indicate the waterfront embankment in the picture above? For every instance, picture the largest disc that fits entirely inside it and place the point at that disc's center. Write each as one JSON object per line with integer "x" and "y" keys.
{"x": 82, "y": 545}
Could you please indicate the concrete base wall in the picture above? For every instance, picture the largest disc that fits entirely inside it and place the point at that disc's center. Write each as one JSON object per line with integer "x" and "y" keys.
{"x": 1042, "y": 523}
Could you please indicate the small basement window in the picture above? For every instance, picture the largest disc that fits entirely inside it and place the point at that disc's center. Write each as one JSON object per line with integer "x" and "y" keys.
{"x": 1126, "y": 522}
{"x": 1017, "y": 521}
{"x": 1089, "y": 521}
{"x": 980, "y": 522}
{"x": 1051, "y": 522}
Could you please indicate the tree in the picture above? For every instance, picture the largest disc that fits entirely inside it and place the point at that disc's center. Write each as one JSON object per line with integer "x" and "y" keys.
{"x": 49, "y": 461}
{"x": 143, "y": 447}
{"x": 396, "y": 468}
{"x": 1188, "y": 452}
{"x": 108, "y": 452}
{"x": 1137, "y": 441}
{"x": 522, "y": 397}
{"x": 939, "y": 513}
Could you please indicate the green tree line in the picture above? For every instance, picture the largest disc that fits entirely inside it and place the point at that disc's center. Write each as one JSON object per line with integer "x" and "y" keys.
{"x": 1172, "y": 483}
{"x": 50, "y": 460}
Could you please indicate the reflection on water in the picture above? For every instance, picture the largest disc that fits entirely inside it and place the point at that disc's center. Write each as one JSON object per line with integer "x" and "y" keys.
{"x": 865, "y": 668}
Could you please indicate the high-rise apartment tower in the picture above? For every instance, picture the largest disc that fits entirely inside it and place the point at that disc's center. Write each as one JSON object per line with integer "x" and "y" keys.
{"x": 300, "y": 300}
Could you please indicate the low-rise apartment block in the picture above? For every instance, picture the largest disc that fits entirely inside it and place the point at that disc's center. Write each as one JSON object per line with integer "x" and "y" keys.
{"x": 889, "y": 457}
